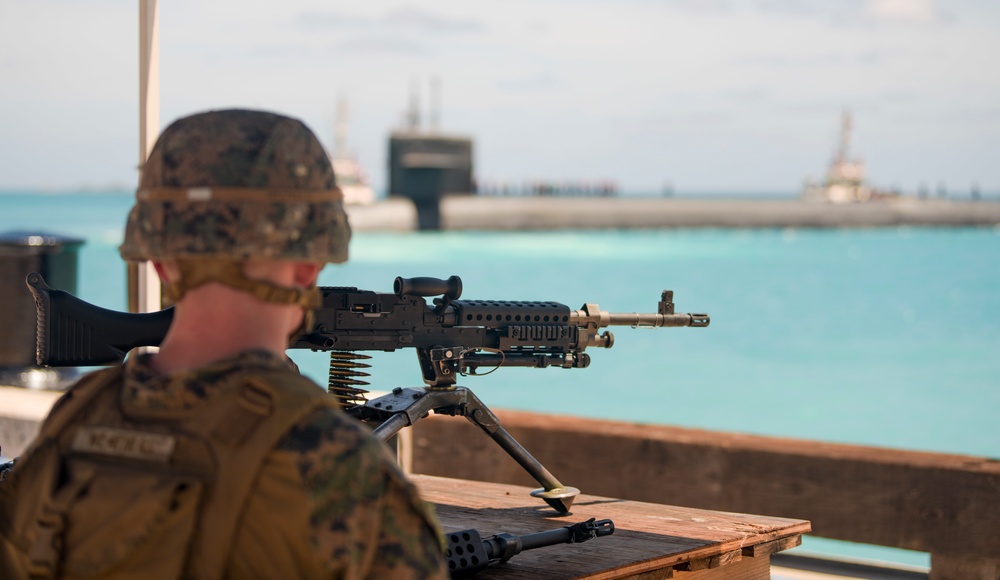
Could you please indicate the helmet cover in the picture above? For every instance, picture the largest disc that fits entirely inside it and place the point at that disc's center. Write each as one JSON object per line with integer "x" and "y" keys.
{"x": 237, "y": 184}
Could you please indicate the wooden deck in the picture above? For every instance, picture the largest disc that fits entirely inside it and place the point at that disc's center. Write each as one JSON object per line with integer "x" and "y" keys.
{"x": 945, "y": 505}
{"x": 650, "y": 540}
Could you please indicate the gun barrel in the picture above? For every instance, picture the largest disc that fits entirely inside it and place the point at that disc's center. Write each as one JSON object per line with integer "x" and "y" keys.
{"x": 636, "y": 319}
{"x": 657, "y": 320}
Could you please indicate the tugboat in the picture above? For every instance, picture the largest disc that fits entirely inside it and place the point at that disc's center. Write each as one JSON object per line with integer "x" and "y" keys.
{"x": 845, "y": 179}
{"x": 352, "y": 181}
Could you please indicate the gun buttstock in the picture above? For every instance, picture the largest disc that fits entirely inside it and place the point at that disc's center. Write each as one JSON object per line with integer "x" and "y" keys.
{"x": 72, "y": 332}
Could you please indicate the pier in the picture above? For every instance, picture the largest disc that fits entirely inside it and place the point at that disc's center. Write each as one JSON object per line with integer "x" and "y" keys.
{"x": 548, "y": 213}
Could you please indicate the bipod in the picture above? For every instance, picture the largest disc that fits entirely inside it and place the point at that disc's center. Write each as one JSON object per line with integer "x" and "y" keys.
{"x": 404, "y": 407}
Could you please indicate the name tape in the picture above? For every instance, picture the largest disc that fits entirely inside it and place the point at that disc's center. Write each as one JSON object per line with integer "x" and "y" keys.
{"x": 125, "y": 443}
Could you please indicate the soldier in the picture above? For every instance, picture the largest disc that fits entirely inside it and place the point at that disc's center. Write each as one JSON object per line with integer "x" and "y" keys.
{"x": 214, "y": 457}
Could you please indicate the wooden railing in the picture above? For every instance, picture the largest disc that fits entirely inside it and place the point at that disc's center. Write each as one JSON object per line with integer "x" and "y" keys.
{"x": 946, "y": 505}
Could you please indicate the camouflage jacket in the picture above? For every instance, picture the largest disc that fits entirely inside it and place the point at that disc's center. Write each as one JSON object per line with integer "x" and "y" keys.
{"x": 328, "y": 500}
{"x": 365, "y": 520}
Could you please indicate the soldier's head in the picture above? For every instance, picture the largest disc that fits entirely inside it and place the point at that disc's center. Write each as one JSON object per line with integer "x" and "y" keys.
{"x": 222, "y": 188}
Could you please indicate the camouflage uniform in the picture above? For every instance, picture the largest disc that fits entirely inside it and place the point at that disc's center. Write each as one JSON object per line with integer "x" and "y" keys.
{"x": 193, "y": 474}
{"x": 327, "y": 501}
{"x": 365, "y": 519}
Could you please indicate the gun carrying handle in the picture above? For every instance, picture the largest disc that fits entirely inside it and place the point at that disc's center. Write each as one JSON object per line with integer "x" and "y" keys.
{"x": 450, "y": 289}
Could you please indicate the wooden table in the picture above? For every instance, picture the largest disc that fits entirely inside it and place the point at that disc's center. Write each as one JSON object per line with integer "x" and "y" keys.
{"x": 650, "y": 540}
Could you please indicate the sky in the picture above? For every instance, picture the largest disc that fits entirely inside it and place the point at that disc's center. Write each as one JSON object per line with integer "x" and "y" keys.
{"x": 692, "y": 95}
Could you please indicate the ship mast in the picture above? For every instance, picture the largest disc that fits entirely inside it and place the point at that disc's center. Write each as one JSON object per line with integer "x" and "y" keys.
{"x": 340, "y": 129}
{"x": 413, "y": 114}
{"x": 846, "y": 124}
{"x": 435, "y": 104}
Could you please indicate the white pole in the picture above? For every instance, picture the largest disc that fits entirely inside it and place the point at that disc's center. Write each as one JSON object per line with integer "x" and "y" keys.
{"x": 147, "y": 283}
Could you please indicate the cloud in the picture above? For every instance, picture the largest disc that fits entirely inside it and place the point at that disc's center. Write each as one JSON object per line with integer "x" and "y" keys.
{"x": 704, "y": 6}
{"x": 868, "y": 57}
{"x": 746, "y": 94}
{"x": 430, "y": 22}
{"x": 538, "y": 81}
{"x": 279, "y": 51}
{"x": 852, "y": 12}
{"x": 406, "y": 18}
{"x": 324, "y": 20}
{"x": 897, "y": 96}
{"x": 399, "y": 31}
{"x": 790, "y": 7}
{"x": 384, "y": 45}
{"x": 917, "y": 11}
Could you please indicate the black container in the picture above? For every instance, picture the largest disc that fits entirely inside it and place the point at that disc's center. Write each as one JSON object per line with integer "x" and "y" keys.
{"x": 53, "y": 256}
{"x": 424, "y": 186}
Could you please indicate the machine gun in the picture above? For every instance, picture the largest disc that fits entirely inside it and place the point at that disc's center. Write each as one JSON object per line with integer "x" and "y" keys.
{"x": 452, "y": 337}
{"x": 468, "y": 552}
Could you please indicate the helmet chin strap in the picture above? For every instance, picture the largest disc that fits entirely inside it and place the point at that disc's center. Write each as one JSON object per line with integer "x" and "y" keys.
{"x": 195, "y": 273}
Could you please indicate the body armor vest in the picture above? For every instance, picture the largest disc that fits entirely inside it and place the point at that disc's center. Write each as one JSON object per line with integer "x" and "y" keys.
{"x": 118, "y": 492}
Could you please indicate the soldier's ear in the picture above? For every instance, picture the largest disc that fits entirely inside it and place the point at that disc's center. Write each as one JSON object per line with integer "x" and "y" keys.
{"x": 167, "y": 271}
{"x": 307, "y": 273}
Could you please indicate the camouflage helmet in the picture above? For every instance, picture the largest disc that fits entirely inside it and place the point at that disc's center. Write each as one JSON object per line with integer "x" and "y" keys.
{"x": 237, "y": 184}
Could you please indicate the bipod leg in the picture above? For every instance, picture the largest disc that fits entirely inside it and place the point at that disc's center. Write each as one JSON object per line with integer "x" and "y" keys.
{"x": 390, "y": 427}
{"x": 404, "y": 407}
{"x": 557, "y": 495}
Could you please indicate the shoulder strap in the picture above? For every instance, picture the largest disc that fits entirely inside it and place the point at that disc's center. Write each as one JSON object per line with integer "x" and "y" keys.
{"x": 39, "y": 553}
{"x": 268, "y": 405}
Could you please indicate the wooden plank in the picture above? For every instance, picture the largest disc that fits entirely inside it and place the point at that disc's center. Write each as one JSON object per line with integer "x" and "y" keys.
{"x": 746, "y": 569}
{"x": 696, "y": 564}
{"x": 946, "y": 567}
{"x": 665, "y": 574}
{"x": 928, "y": 502}
{"x": 648, "y": 537}
{"x": 766, "y": 549}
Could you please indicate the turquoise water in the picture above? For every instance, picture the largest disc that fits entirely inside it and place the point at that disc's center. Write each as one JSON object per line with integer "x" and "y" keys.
{"x": 883, "y": 337}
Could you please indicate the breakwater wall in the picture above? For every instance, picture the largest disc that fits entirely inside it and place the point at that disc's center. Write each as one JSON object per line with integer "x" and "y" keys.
{"x": 546, "y": 213}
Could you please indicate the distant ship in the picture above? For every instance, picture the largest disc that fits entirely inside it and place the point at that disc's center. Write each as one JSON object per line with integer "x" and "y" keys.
{"x": 845, "y": 179}
{"x": 352, "y": 181}
{"x": 350, "y": 176}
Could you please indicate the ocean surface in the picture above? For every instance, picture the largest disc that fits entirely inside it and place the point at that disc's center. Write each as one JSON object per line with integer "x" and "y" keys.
{"x": 886, "y": 337}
